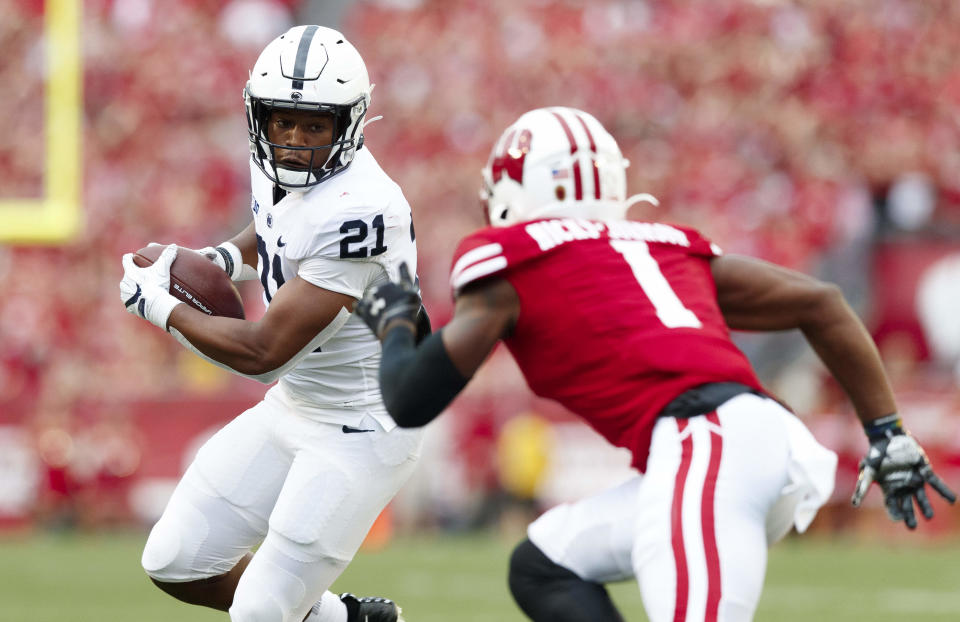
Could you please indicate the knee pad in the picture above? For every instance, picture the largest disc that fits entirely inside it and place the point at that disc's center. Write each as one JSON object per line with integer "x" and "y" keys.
{"x": 161, "y": 558}
{"x": 257, "y": 607}
{"x": 178, "y": 551}
{"x": 548, "y": 592}
{"x": 184, "y": 545}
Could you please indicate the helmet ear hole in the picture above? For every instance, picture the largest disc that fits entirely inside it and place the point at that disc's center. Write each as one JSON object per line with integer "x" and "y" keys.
{"x": 560, "y": 192}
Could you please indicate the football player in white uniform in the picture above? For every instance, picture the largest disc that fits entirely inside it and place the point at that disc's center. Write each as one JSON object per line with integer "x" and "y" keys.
{"x": 304, "y": 473}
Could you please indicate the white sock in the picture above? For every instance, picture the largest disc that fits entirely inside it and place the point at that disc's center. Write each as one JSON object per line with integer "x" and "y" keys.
{"x": 328, "y": 609}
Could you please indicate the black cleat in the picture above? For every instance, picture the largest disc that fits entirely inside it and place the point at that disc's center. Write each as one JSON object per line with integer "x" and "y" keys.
{"x": 370, "y": 609}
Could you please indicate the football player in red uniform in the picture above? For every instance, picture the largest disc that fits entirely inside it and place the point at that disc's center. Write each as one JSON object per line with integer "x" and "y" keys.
{"x": 627, "y": 324}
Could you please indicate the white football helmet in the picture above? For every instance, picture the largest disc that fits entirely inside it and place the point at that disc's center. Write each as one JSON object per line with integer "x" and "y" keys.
{"x": 308, "y": 68}
{"x": 555, "y": 162}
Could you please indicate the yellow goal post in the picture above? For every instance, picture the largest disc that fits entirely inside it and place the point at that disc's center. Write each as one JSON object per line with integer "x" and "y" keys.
{"x": 56, "y": 217}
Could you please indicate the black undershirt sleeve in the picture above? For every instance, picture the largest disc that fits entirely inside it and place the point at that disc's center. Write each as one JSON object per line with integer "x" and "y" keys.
{"x": 417, "y": 382}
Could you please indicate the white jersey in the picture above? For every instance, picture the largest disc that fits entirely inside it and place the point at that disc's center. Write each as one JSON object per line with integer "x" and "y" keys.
{"x": 344, "y": 235}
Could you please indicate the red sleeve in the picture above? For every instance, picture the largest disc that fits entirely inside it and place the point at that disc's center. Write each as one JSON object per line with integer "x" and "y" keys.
{"x": 489, "y": 252}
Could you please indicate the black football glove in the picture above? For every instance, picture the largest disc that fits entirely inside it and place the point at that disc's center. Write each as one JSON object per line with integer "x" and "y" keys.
{"x": 391, "y": 301}
{"x": 900, "y": 467}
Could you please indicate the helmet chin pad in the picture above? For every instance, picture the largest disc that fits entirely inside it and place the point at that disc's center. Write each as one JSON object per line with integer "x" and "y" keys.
{"x": 294, "y": 180}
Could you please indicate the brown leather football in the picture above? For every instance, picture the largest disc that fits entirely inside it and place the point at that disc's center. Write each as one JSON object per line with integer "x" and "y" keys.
{"x": 197, "y": 281}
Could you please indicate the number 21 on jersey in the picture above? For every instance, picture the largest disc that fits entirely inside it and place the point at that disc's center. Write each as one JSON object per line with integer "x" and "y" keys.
{"x": 646, "y": 270}
{"x": 357, "y": 243}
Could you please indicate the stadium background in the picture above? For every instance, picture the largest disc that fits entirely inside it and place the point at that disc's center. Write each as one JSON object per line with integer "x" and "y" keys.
{"x": 819, "y": 134}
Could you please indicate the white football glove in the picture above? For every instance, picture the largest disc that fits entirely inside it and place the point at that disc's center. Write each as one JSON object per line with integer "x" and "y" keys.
{"x": 145, "y": 292}
{"x": 227, "y": 256}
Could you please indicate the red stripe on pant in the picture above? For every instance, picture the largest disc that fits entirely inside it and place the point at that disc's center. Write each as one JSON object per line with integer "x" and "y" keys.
{"x": 676, "y": 526}
{"x": 707, "y": 520}
{"x": 709, "y": 525}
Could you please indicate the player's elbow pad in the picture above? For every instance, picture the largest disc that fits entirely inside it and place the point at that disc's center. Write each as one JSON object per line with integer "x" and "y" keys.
{"x": 417, "y": 383}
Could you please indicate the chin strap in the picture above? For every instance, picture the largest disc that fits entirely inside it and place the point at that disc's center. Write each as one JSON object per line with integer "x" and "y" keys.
{"x": 638, "y": 198}
{"x": 367, "y": 122}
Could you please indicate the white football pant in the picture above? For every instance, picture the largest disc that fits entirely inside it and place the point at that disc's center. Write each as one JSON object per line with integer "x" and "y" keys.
{"x": 308, "y": 490}
{"x": 694, "y": 529}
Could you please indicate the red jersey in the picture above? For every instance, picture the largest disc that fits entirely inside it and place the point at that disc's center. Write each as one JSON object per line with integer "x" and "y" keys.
{"x": 616, "y": 318}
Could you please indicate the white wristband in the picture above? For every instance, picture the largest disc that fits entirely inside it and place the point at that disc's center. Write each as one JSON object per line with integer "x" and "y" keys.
{"x": 161, "y": 309}
{"x": 232, "y": 259}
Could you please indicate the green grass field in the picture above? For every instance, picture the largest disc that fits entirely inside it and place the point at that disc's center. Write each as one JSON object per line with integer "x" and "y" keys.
{"x": 94, "y": 578}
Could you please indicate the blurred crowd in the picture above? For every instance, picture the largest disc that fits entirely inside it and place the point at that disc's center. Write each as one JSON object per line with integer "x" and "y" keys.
{"x": 808, "y": 132}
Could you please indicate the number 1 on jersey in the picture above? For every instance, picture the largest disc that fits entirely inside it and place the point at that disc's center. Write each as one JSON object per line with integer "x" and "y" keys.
{"x": 646, "y": 270}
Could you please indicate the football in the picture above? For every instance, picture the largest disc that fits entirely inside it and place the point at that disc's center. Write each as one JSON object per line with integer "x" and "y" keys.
{"x": 197, "y": 281}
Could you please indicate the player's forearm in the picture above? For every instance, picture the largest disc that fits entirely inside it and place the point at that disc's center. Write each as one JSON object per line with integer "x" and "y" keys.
{"x": 417, "y": 383}
{"x": 233, "y": 343}
{"x": 843, "y": 344}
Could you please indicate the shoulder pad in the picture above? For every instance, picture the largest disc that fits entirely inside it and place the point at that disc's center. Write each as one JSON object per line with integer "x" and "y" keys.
{"x": 488, "y": 252}
{"x": 663, "y": 233}
{"x": 347, "y": 225}
{"x": 699, "y": 243}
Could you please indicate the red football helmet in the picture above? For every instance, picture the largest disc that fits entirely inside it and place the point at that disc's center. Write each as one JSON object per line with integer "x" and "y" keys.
{"x": 556, "y": 162}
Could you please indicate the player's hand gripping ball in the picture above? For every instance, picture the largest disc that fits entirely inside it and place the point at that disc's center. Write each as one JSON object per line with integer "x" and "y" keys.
{"x": 157, "y": 278}
{"x": 197, "y": 281}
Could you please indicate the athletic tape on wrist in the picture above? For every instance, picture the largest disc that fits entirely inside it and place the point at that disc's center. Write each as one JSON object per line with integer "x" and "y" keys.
{"x": 884, "y": 427}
